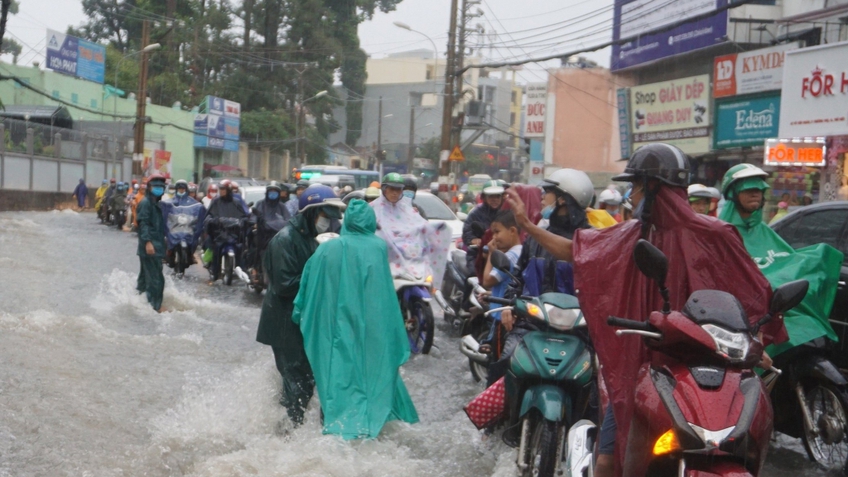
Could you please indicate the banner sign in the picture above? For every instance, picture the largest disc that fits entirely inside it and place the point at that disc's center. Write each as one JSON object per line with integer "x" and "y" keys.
{"x": 534, "y": 110}
{"x": 815, "y": 92}
{"x": 635, "y": 18}
{"x": 746, "y": 122}
{"x": 810, "y": 152}
{"x": 72, "y": 56}
{"x": 218, "y": 127}
{"x": 750, "y": 72}
{"x": 157, "y": 161}
{"x": 676, "y": 112}
{"x": 623, "y": 96}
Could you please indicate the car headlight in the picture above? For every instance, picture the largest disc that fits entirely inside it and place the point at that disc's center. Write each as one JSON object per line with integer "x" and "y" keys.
{"x": 733, "y": 346}
{"x": 563, "y": 319}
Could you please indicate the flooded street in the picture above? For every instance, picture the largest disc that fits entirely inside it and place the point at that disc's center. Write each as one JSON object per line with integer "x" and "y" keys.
{"x": 94, "y": 383}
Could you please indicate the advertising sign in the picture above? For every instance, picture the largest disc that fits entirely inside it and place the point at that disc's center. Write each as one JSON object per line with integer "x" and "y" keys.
{"x": 810, "y": 152}
{"x": 534, "y": 110}
{"x": 635, "y": 18}
{"x": 750, "y": 72}
{"x": 75, "y": 57}
{"x": 218, "y": 128}
{"x": 676, "y": 112}
{"x": 623, "y": 97}
{"x": 157, "y": 161}
{"x": 746, "y": 122}
{"x": 815, "y": 92}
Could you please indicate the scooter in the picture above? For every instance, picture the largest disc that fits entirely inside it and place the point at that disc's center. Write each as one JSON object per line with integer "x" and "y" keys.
{"x": 414, "y": 298}
{"x": 550, "y": 377}
{"x": 700, "y": 407}
{"x": 456, "y": 289}
{"x": 182, "y": 232}
{"x": 479, "y": 345}
{"x": 227, "y": 243}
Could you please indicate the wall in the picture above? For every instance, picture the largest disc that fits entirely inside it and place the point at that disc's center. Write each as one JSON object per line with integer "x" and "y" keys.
{"x": 585, "y": 129}
{"x": 12, "y": 200}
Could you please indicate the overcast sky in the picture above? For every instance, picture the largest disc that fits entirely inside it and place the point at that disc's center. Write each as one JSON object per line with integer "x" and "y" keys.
{"x": 513, "y": 29}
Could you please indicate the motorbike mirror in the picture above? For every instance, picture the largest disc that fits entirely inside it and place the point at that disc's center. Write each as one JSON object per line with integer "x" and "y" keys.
{"x": 478, "y": 229}
{"x": 651, "y": 261}
{"x": 500, "y": 261}
{"x": 788, "y": 296}
{"x": 461, "y": 216}
{"x": 249, "y": 205}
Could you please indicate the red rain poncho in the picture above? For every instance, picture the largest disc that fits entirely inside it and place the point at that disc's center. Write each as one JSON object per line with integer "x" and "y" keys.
{"x": 703, "y": 253}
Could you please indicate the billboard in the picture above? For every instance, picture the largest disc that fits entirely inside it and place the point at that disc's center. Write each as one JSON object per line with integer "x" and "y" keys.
{"x": 218, "y": 127}
{"x": 746, "y": 122}
{"x": 156, "y": 161}
{"x": 815, "y": 92}
{"x": 635, "y": 18}
{"x": 534, "y": 110}
{"x": 72, "y": 56}
{"x": 750, "y": 72}
{"x": 676, "y": 112}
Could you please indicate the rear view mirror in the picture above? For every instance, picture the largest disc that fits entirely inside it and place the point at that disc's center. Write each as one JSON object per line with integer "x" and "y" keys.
{"x": 500, "y": 261}
{"x": 249, "y": 205}
{"x": 651, "y": 261}
{"x": 788, "y": 296}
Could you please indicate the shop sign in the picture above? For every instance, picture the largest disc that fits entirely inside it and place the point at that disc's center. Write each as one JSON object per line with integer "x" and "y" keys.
{"x": 534, "y": 110}
{"x": 746, "y": 122}
{"x": 637, "y": 18}
{"x": 219, "y": 126}
{"x": 623, "y": 96}
{"x": 750, "y": 72}
{"x": 809, "y": 152}
{"x": 74, "y": 56}
{"x": 815, "y": 92}
{"x": 676, "y": 112}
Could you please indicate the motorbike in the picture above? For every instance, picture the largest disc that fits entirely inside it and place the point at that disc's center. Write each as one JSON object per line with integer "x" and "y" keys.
{"x": 181, "y": 233}
{"x": 550, "y": 379}
{"x": 457, "y": 288}
{"x": 256, "y": 241}
{"x": 414, "y": 298}
{"x": 481, "y": 344}
{"x": 227, "y": 242}
{"x": 700, "y": 407}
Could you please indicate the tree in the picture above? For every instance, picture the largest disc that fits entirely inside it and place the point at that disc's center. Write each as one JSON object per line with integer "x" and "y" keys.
{"x": 11, "y": 47}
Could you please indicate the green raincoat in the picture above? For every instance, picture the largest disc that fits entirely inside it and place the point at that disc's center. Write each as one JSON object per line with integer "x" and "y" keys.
{"x": 780, "y": 263}
{"x": 353, "y": 330}
{"x": 151, "y": 228}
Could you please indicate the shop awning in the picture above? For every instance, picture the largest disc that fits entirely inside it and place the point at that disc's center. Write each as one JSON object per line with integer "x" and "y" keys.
{"x": 49, "y": 115}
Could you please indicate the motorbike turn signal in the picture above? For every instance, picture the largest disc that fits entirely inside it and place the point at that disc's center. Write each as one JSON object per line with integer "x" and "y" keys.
{"x": 536, "y": 311}
{"x": 666, "y": 444}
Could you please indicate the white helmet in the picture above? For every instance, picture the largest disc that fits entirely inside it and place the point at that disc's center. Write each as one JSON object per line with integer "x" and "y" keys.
{"x": 610, "y": 197}
{"x": 702, "y": 191}
{"x": 574, "y": 183}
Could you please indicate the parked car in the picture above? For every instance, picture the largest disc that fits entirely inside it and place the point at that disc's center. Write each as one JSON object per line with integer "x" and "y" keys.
{"x": 252, "y": 194}
{"x": 434, "y": 210}
{"x": 826, "y": 222}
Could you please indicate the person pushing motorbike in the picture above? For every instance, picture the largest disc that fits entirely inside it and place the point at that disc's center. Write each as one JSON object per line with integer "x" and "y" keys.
{"x": 703, "y": 253}
{"x": 151, "y": 242}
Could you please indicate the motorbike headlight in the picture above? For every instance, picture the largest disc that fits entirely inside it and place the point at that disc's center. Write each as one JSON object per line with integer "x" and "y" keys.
{"x": 733, "y": 346}
{"x": 563, "y": 319}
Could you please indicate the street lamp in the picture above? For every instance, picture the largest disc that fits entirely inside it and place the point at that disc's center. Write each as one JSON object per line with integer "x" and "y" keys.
{"x": 320, "y": 94}
{"x": 146, "y": 49}
{"x": 435, "y": 50}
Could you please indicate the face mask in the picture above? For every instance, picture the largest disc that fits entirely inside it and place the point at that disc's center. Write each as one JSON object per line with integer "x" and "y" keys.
{"x": 212, "y": 195}
{"x": 322, "y": 225}
{"x": 408, "y": 193}
{"x": 157, "y": 191}
{"x": 547, "y": 211}
{"x": 273, "y": 195}
{"x": 181, "y": 194}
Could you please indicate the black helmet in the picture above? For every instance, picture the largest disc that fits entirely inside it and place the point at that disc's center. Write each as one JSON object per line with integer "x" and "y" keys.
{"x": 660, "y": 161}
{"x": 274, "y": 185}
{"x": 410, "y": 183}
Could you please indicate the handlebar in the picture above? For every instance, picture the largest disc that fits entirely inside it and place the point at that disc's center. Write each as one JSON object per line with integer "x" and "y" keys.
{"x": 629, "y": 324}
{"x": 500, "y": 301}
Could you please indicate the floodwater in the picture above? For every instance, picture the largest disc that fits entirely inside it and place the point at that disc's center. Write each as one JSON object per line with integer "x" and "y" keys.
{"x": 94, "y": 383}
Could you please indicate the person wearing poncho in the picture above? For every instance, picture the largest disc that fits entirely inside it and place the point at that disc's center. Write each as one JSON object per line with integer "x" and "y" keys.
{"x": 353, "y": 331}
{"x": 743, "y": 187}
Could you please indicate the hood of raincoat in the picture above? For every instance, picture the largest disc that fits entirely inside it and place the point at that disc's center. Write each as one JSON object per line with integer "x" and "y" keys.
{"x": 353, "y": 331}
{"x": 417, "y": 249}
{"x": 703, "y": 253}
{"x": 780, "y": 263}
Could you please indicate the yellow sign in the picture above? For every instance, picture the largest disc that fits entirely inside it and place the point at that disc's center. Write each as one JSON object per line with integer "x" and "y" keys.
{"x": 456, "y": 155}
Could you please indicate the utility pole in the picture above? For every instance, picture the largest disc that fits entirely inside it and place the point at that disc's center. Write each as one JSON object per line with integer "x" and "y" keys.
{"x": 298, "y": 103}
{"x": 410, "y": 158}
{"x": 379, "y": 153}
{"x": 448, "y": 98}
{"x": 141, "y": 99}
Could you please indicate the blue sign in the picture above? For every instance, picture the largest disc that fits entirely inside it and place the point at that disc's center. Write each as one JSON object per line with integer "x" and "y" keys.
{"x": 623, "y": 97}
{"x": 75, "y": 57}
{"x": 218, "y": 126}
{"x": 635, "y": 18}
{"x": 746, "y": 122}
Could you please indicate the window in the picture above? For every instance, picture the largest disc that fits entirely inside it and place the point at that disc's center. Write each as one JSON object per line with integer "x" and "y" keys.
{"x": 56, "y": 94}
{"x": 514, "y": 99}
{"x": 819, "y": 227}
{"x": 74, "y": 98}
{"x": 94, "y": 104}
{"x": 512, "y": 119}
{"x": 490, "y": 94}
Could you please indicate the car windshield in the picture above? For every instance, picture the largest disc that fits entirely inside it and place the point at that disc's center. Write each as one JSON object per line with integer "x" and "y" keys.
{"x": 432, "y": 208}
{"x": 254, "y": 196}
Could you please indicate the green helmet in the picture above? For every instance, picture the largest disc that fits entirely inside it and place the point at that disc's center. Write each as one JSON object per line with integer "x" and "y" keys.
{"x": 392, "y": 179}
{"x": 494, "y": 187}
{"x": 743, "y": 177}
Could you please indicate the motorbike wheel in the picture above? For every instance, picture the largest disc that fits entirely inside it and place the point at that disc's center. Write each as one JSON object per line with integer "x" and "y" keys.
{"x": 179, "y": 262}
{"x": 479, "y": 371}
{"x": 829, "y": 412}
{"x": 542, "y": 447}
{"x": 420, "y": 326}
{"x": 228, "y": 270}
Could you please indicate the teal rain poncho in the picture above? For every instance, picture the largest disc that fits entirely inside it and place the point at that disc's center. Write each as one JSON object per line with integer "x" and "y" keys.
{"x": 780, "y": 263}
{"x": 353, "y": 330}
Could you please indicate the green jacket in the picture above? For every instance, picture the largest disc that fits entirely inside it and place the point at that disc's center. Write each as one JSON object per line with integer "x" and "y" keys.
{"x": 353, "y": 330}
{"x": 151, "y": 227}
{"x": 284, "y": 261}
{"x": 118, "y": 201}
{"x": 780, "y": 263}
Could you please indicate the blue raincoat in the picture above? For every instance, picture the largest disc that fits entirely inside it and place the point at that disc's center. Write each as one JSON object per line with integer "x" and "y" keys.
{"x": 353, "y": 330}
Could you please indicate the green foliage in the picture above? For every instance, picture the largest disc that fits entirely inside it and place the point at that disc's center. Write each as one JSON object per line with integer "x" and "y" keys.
{"x": 263, "y": 125}
{"x": 11, "y": 47}
{"x": 430, "y": 149}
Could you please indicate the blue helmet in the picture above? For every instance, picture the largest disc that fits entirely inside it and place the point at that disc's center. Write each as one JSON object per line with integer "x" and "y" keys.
{"x": 318, "y": 195}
